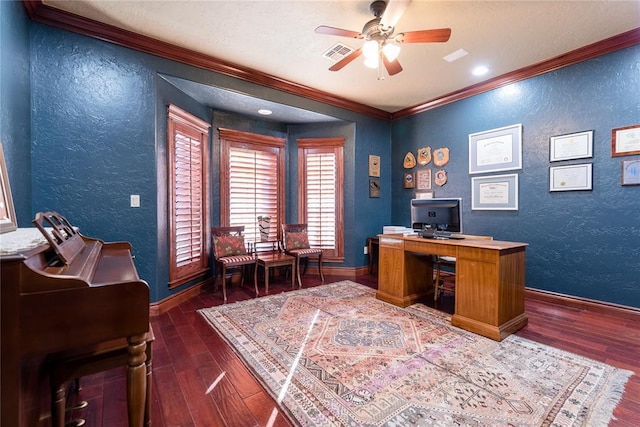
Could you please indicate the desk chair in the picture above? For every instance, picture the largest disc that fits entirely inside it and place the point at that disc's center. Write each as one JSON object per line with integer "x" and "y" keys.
{"x": 296, "y": 244}
{"x": 229, "y": 250}
{"x": 448, "y": 261}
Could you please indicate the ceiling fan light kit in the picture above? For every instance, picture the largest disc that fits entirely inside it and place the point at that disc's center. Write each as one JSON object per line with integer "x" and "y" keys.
{"x": 380, "y": 45}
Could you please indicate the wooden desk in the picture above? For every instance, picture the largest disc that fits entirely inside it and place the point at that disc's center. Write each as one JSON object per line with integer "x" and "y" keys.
{"x": 372, "y": 251}
{"x": 276, "y": 259}
{"x": 489, "y": 279}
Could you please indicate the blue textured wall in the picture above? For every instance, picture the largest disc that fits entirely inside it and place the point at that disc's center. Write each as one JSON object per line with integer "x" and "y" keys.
{"x": 582, "y": 243}
{"x": 82, "y": 122}
{"x": 15, "y": 118}
{"x": 98, "y": 135}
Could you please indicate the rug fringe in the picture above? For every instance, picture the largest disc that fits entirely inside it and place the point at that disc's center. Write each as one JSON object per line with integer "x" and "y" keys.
{"x": 603, "y": 413}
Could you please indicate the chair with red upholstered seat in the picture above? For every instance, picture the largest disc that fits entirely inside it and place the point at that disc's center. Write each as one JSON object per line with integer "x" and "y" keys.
{"x": 229, "y": 250}
{"x": 296, "y": 243}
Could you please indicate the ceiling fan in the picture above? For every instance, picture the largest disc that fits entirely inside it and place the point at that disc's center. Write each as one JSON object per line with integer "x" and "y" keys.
{"x": 381, "y": 45}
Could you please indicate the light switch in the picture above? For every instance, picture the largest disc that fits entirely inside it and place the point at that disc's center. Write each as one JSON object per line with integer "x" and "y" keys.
{"x": 135, "y": 200}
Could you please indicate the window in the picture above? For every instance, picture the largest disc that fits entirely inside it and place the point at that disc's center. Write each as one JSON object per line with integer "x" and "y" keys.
{"x": 320, "y": 195}
{"x": 251, "y": 181}
{"x": 188, "y": 196}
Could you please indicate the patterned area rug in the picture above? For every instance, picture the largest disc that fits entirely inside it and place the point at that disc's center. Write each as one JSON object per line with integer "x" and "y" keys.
{"x": 334, "y": 355}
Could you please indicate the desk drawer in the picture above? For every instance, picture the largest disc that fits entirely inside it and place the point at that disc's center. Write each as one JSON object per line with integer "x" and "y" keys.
{"x": 432, "y": 247}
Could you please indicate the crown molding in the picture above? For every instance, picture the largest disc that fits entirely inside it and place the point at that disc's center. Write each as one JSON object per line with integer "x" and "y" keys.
{"x": 621, "y": 41}
{"x": 39, "y": 12}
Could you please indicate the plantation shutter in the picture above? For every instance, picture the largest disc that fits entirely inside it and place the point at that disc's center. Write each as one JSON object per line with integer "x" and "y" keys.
{"x": 252, "y": 181}
{"x": 320, "y": 194}
{"x": 188, "y": 219}
{"x": 253, "y": 189}
{"x": 321, "y": 199}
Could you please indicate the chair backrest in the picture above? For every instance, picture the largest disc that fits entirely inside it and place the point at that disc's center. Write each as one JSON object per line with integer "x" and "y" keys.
{"x": 228, "y": 241}
{"x": 294, "y": 236}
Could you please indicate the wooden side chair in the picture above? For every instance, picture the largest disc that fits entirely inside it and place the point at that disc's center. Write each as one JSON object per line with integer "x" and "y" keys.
{"x": 296, "y": 244}
{"x": 447, "y": 261}
{"x": 229, "y": 251}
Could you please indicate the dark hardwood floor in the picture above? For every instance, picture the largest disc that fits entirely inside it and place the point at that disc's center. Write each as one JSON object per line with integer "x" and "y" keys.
{"x": 199, "y": 381}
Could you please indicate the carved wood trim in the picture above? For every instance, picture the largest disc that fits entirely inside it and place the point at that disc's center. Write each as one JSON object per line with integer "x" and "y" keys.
{"x": 44, "y": 14}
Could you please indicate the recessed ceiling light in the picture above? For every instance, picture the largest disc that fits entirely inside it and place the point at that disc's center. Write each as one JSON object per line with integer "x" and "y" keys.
{"x": 455, "y": 55}
{"x": 265, "y": 112}
{"x": 480, "y": 70}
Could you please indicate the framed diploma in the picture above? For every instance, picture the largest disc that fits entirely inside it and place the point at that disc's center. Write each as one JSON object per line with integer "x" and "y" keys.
{"x": 625, "y": 141}
{"x": 496, "y": 192}
{"x": 572, "y": 146}
{"x": 7, "y": 212}
{"x": 496, "y": 150}
{"x": 374, "y": 165}
{"x": 423, "y": 178}
{"x": 631, "y": 172}
{"x": 571, "y": 178}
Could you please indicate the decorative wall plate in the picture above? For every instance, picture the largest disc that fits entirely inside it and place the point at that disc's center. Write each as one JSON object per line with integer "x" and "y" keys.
{"x": 441, "y": 156}
{"x": 409, "y": 160}
{"x": 409, "y": 180}
{"x": 441, "y": 177}
{"x": 424, "y": 155}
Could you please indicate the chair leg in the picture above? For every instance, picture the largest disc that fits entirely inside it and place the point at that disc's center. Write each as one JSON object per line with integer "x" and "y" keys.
{"x": 436, "y": 284}
{"x": 298, "y": 271}
{"x": 320, "y": 268}
{"x": 255, "y": 278}
{"x": 224, "y": 283}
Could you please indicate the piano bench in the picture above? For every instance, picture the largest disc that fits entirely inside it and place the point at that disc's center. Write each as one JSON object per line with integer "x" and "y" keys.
{"x": 73, "y": 365}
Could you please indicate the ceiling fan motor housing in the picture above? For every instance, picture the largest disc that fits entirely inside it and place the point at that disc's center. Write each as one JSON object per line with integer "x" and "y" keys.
{"x": 378, "y": 7}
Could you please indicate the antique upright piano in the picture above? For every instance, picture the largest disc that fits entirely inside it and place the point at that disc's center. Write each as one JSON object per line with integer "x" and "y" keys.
{"x": 63, "y": 293}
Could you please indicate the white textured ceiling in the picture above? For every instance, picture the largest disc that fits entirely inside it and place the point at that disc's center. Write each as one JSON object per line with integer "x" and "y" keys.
{"x": 277, "y": 37}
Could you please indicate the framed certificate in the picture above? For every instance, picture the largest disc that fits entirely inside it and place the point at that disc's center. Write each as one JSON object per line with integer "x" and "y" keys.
{"x": 570, "y": 178}
{"x": 496, "y": 150}
{"x": 423, "y": 178}
{"x": 572, "y": 146}
{"x": 496, "y": 192}
{"x": 625, "y": 141}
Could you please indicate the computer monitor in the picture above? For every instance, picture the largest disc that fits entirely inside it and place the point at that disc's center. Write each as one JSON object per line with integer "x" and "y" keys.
{"x": 440, "y": 214}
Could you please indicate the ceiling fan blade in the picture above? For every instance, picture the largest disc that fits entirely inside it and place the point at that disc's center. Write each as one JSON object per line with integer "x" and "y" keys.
{"x": 393, "y": 67}
{"x": 333, "y": 31}
{"x": 347, "y": 59}
{"x": 425, "y": 36}
{"x": 393, "y": 12}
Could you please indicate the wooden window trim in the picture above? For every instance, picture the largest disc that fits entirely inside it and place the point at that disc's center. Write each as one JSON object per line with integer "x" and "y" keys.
{"x": 179, "y": 119}
{"x": 323, "y": 145}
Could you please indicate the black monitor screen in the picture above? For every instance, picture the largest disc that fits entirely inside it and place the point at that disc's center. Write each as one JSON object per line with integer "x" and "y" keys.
{"x": 443, "y": 214}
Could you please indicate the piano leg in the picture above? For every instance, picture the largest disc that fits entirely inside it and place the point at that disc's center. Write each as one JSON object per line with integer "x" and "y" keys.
{"x": 136, "y": 379}
{"x": 59, "y": 395}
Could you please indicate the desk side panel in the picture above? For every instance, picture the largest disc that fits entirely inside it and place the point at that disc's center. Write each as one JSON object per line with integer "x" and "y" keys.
{"x": 477, "y": 290}
{"x": 403, "y": 278}
{"x": 512, "y": 284}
